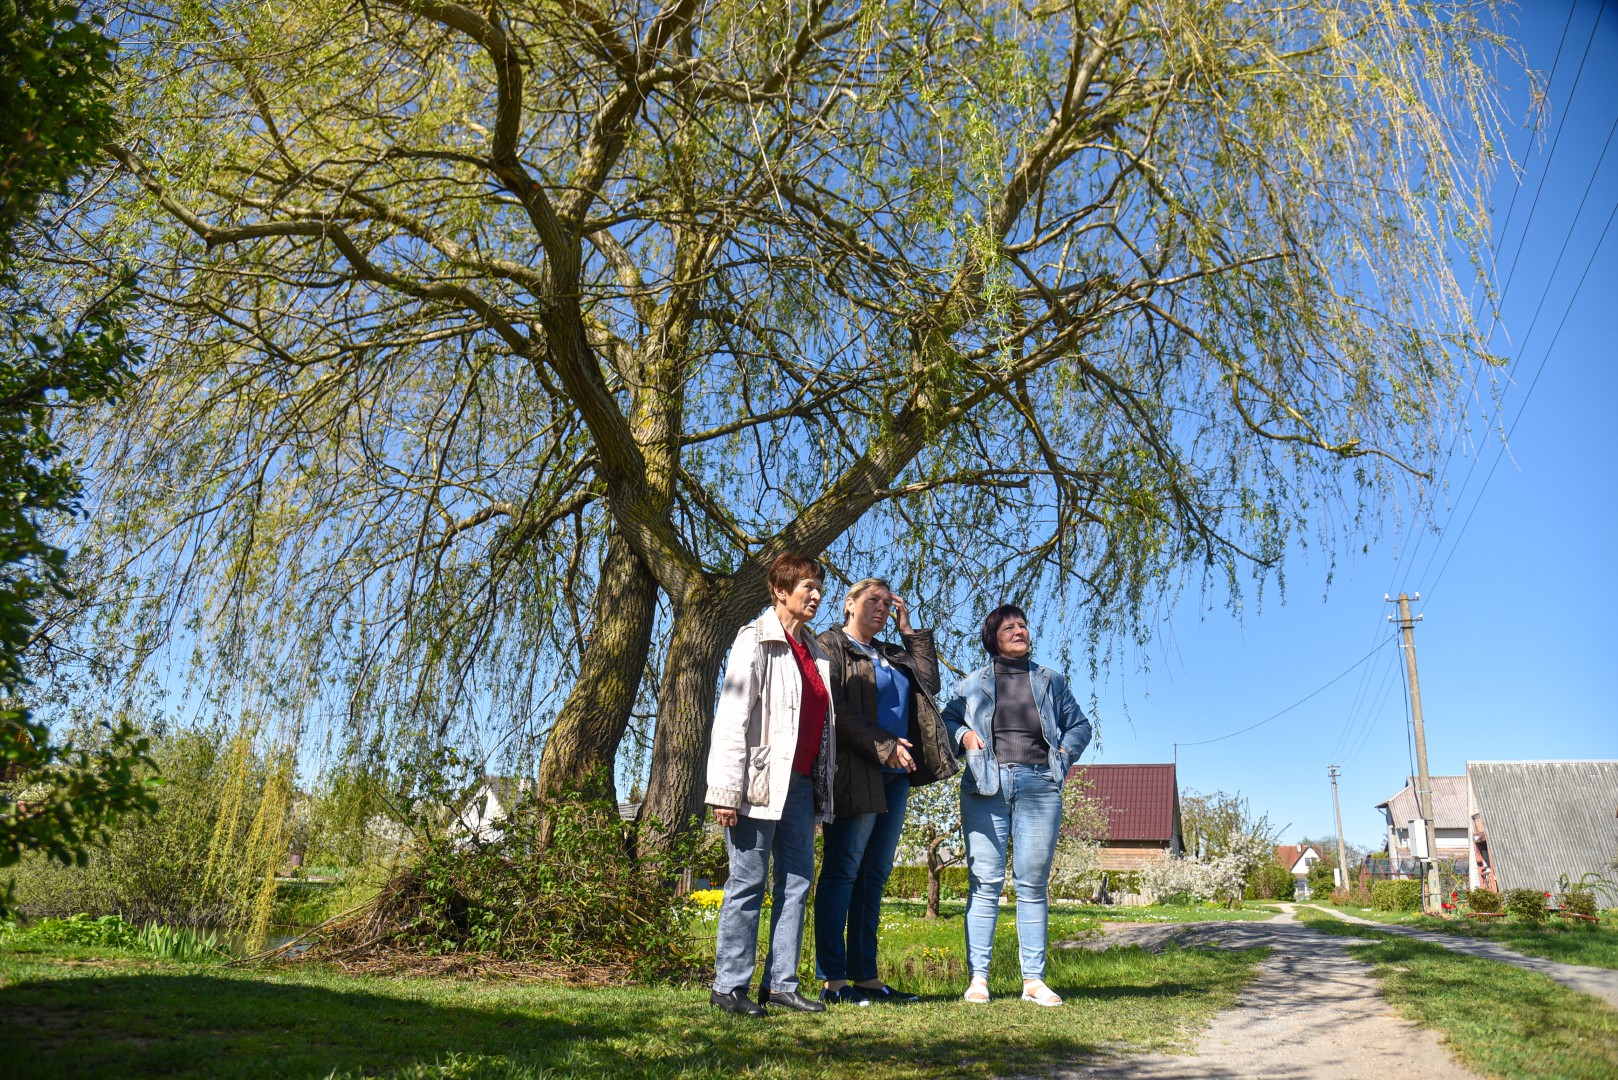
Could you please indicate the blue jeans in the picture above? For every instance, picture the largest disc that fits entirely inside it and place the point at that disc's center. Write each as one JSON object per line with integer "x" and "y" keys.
{"x": 750, "y": 843}
{"x": 854, "y": 869}
{"x": 1027, "y": 810}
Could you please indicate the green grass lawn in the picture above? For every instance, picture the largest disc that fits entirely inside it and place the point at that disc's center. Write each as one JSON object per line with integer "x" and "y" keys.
{"x": 1570, "y": 943}
{"x": 1500, "y": 1020}
{"x": 82, "y": 1012}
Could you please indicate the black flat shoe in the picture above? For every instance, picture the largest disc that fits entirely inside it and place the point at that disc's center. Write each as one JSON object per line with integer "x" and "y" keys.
{"x": 848, "y": 995}
{"x": 736, "y": 1002}
{"x": 791, "y": 999}
{"x": 887, "y": 995}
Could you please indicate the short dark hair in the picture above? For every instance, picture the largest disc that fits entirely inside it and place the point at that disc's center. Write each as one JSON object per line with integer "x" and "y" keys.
{"x": 789, "y": 568}
{"x": 996, "y": 619}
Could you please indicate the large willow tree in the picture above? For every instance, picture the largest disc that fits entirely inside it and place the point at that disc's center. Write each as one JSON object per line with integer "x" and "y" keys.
{"x": 497, "y": 348}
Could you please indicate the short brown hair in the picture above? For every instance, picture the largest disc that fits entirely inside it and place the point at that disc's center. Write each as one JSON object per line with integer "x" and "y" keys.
{"x": 789, "y": 568}
{"x": 994, "y": 620}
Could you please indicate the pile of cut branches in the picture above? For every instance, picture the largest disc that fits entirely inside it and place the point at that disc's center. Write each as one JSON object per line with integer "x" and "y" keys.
{"x": 575, "y": 908}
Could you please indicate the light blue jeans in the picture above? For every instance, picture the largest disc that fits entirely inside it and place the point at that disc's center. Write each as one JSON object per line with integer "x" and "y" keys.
{"x": 750, "y": 843}
{"x": 1027, "y": 811}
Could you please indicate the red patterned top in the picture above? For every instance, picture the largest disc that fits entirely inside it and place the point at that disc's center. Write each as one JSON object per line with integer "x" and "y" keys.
{"x": 812, "y": 712}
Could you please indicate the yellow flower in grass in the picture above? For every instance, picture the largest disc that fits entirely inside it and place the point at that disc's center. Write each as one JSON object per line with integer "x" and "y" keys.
{"x": 706, "y": 898}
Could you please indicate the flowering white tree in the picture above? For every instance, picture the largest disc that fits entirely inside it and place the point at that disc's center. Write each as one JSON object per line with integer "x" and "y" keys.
{"x": 1219, "y": 878}
{"x": 1076, "y": 869}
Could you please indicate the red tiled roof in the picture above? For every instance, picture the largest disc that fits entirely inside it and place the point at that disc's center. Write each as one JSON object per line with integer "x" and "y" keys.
{"x": 1289, "y": 854}
{"x": 1140, "y": 799}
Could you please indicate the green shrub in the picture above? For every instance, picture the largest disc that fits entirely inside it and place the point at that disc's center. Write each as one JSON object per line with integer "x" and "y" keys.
{"x": 161, "y": 868}
{"x": 1525, "y": 904}
{"x": 1268, "y": 881}
{"x": 106, "y": 932}
{"x": 1486, "y": 901}
{"x": 1400, "y": 895}
{"x": 184, "y": 944}
{"x": 1580, "y": 901}
{"x": 1322, "y": 879}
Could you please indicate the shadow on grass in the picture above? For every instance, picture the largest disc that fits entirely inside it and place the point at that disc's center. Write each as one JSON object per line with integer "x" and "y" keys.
{"x": 83, "y": 1017}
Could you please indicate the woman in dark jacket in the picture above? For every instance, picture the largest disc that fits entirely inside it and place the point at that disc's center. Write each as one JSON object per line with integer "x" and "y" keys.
{"x": 890, "y": 738}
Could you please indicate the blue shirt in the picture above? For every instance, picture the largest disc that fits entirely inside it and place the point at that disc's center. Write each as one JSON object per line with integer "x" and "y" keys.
{"x": 892, "y": 696}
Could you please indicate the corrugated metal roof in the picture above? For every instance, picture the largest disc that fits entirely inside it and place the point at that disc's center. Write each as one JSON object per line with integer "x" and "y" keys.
{"x": 1547, "y": 818}
{"x": 1449, "y": 803}
{"x": 1140, "y": 799}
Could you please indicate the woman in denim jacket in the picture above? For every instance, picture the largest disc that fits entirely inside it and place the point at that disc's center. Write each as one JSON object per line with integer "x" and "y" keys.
{"x": 1020, "y": 730}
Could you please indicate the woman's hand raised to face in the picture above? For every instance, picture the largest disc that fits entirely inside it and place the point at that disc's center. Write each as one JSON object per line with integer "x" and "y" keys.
{"x": 901, "y": 612}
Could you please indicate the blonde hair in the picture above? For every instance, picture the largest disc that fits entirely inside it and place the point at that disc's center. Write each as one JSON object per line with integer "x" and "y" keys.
{"x": 858, "y": 589}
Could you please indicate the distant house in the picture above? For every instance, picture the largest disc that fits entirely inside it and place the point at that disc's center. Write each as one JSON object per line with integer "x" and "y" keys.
{"x": 1533, "y": 821}
{"x": 490, "y": 803}
{"x": 1143, "y": 812}
{"x": 1406, "y": 837}
{"x": 1297, "y": 858}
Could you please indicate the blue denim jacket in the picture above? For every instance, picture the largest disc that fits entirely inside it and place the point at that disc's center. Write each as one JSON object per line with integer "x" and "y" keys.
{"x": 971, "y": 708}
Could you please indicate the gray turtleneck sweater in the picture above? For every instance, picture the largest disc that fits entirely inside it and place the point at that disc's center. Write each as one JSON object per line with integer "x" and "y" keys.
{"x": 1018, "y": 737}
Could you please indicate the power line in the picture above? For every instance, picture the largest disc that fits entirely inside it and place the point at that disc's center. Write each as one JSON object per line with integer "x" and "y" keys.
{"x": 1378, "y": 712}
{"x": 1289, "y": 708}
{"x": 1522, "y": 239}
{"x": 1530, "y": 393}
{"x": 1534, "y": 323}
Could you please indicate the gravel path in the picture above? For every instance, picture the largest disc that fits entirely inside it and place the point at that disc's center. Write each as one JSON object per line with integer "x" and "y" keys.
{"x": 1599, "y": 982}
{"x": 1313, "y": 1012}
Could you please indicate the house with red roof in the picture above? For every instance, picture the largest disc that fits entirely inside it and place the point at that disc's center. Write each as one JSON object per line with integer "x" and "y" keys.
{"x": 1297, "y": 858}
{"x": 1143, "y": 812}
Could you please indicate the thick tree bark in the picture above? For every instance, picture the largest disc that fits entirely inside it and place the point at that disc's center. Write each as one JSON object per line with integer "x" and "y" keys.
{"x": 703, "y": 630}
{"x": 583, "y": 743}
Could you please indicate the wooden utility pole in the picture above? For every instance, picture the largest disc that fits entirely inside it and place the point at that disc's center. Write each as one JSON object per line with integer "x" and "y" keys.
{"x": 1424, "y": 781}
{"x": 1342, "y": 848}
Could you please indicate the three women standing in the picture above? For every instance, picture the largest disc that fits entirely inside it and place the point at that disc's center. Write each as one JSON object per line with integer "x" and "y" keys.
{"x": 1020, "y": 729}
{"x": 775, "y": 770}
{"x": 890, "y": 738}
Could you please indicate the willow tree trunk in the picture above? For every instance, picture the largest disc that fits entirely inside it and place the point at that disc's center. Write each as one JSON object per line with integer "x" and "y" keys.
{"x": 703, "y": 630}
{"x": 582, "y": 747}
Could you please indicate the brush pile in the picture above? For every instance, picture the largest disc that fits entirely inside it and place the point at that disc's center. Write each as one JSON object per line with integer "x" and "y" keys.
{"x": 575, "y": 908}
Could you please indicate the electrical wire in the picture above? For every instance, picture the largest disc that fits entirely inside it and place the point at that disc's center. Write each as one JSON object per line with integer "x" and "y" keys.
{"x": 1501, "y": 453}
{"x": 1289, "y": 708}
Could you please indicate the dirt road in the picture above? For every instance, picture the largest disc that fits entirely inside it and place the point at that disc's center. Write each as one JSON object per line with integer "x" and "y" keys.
{"x": 1313, "y": 1012}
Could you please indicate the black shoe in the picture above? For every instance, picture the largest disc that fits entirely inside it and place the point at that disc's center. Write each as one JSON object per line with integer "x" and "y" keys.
{"x": 791, "y": 999}
{"x": 848, "y": 995}
{"x": 887, "y": 995}
{"x": 736, "y": 1002}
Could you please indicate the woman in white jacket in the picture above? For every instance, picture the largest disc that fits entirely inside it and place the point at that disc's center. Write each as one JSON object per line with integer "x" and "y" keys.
{"x": 769, "y": 782}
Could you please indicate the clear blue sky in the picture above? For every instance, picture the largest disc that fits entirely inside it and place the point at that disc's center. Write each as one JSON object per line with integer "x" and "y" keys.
{"x": 1518, "y": 652}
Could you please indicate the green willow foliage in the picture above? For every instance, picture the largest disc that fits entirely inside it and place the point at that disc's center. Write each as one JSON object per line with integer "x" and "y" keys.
{"x": 187, "y": 863}
{"x": 475, "y": 330}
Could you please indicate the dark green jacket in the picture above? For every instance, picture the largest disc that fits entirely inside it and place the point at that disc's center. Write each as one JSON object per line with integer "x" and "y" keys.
{"x": 863, "y": 746}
